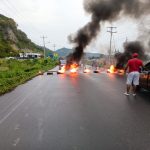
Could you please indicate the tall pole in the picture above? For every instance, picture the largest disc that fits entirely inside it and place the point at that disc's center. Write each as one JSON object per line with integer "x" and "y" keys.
{"x": 43, "y": 37}
{"x": 54, "y": 46}
{"x": 111, "y": 34}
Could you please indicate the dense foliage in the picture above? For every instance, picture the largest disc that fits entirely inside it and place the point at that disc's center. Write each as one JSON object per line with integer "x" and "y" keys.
{"x": 13, "y": 40}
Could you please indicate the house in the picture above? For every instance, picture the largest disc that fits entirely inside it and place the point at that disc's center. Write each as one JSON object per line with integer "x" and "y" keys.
{"x": 29, "y": 55}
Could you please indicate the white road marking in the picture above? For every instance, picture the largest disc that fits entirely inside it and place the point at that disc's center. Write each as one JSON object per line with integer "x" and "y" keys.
{"x": 16, "y": 142}
{"x": 10, "y": 104}
{"x": 17, "y": 127}
{"x": 5, "y": 117}
{"x": 19, "y": 104}
{"x": 40, "y": 128}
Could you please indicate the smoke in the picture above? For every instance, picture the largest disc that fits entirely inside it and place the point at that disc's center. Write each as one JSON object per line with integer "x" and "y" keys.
{"x": 101, "y": 11}
{"x": 129, "y": 49}
{"x": 142, "y": 46}
{"x": 144, "y": 32}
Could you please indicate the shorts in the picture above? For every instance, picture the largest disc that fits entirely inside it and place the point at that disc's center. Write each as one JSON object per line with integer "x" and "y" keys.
{"x": 133, "y": 78}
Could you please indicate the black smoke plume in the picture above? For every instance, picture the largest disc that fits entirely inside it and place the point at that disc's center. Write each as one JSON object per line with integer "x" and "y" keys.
{"x": 104, "y": 10}
{"x": 129, "y": 49}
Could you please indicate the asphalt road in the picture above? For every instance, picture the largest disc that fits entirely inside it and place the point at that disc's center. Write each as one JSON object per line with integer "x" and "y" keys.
{"x": 74, "y": 112}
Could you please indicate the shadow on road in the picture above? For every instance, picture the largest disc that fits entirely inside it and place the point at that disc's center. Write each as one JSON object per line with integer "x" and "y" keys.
{"x": 144, "y": 94}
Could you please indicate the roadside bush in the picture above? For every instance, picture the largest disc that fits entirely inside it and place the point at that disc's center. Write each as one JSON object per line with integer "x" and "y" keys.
{"x": 19, "y": 71}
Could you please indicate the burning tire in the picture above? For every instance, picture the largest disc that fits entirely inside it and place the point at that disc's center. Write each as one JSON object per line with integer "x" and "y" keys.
{"x": 49, "y": 73}
{"x": 40, "y": 73}
{"x": 95, "y": 71}
{"x": 59, "y": 72}
{"x": 86, "y": 71}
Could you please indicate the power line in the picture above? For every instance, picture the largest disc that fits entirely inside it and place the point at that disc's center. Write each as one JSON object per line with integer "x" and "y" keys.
{"x": 11, "y": 8}
{"x": 114, "y": 44}
{"x": 20, "y": 13}
{"x": 54, "y": 46}
{"x": 4, "y": 12}
{"x": 43, "y": 37}
{"x": 111, "y": 34}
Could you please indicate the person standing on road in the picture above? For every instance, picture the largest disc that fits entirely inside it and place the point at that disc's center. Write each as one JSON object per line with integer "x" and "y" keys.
{"x": 133, "y": 66}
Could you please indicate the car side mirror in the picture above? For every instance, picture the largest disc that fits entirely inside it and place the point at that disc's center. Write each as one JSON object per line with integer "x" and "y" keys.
{"x": 144, "y": 69}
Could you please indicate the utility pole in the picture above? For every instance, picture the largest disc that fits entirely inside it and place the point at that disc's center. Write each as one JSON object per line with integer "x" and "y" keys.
{"x": 43, "y": 37}
{"x": 111, "y": 34}
{"x": 126, "y": 40}
{"x": 54, "y": 46}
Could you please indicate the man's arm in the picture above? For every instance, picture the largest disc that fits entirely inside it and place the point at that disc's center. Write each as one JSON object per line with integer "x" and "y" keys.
{"x": 142, "y": 66}
{"x": 126, "y": 67}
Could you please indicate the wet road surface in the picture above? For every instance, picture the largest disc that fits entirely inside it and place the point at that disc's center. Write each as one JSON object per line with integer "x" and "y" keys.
{"x": 74, "y": 112}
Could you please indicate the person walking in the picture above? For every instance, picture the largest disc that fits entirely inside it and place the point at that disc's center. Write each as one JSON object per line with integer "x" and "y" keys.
{"x": 133, "y": 66}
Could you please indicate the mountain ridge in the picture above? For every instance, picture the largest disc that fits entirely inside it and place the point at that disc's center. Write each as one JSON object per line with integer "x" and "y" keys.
{"x": 63, "y": 52}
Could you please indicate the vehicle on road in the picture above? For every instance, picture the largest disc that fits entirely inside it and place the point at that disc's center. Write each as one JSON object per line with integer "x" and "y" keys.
{"x": 145, "y": 77}
{"x": 62, "y": 63}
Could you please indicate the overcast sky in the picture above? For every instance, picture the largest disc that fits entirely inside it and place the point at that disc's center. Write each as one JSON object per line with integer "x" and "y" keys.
{"x": 56, "y": 19}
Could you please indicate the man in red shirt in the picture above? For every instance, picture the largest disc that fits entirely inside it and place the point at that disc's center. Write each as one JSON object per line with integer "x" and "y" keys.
{"x": 133, "y": 67}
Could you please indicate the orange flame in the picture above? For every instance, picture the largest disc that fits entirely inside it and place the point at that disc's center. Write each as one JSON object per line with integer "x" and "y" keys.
{"x": 62, "y": 70}
{"x": 74, "y": 68}
{"x": 121, "y": 71}
{"x": 87, "y": 70}
{"x": 111, "y": 69}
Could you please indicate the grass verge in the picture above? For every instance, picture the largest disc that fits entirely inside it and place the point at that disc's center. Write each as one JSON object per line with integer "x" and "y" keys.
{"x": 16, "y": 72}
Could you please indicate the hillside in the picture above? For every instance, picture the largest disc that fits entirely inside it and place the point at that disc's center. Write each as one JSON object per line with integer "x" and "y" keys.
{"x": 13, "y": 40}
{"x": 63, "y": 52}
{"x": 94, "y": 55}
